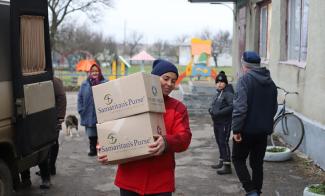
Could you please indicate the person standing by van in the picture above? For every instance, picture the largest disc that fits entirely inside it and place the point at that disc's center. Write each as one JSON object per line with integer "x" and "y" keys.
{"x": 155, "y": 175}
{"x": 60, "y": 106}
{"x": 48, "y": 167}
{"x": 86, "y": 106}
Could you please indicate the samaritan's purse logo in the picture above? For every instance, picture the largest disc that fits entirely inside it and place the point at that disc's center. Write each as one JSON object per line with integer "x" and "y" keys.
{"x": 111, "y": 138}
{"x": 159, "y": 130}
{"x": 108, "y": 99}
{"x": 154, "y": 90}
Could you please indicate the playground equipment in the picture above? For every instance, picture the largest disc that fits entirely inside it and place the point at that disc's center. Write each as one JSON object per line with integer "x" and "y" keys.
{"x": 119, "y": 67}
{"x": 124, "y": 65}
{"x": 85, "y": 64}
{"x": 71, "y": 58}
{"x": 199, "y": 63}
{"x": 142, "y": 57}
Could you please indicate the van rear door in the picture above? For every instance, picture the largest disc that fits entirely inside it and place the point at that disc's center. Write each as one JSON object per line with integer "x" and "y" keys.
{"x": 32, "y": 76}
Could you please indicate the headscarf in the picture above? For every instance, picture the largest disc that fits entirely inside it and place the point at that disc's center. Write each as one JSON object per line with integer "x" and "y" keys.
{"x": 94, "y": 81}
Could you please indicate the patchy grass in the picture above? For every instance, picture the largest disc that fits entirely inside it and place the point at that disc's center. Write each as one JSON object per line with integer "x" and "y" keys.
{"x": 73, "y": 78}
{"x": 309, "y": 168}
{"x": 319, "y": 189}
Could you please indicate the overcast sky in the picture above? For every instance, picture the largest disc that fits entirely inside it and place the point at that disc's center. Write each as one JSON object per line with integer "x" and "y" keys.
{"x": 164, "y": 19}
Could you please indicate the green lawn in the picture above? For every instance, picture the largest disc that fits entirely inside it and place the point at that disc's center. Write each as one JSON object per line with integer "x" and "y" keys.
{"x": 73, "y": 78}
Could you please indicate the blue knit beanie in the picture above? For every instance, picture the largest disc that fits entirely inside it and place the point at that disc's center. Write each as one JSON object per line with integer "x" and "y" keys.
{"x": 251, "y": 58}
{"x": 161, "y": 66}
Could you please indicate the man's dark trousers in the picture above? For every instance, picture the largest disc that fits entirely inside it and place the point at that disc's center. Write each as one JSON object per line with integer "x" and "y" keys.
{"x": 254, "y": 146}
{"x": 44, "y": 169}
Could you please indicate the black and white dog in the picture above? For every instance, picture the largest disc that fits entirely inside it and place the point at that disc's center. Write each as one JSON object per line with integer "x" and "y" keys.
{"x": 71, "y": 123}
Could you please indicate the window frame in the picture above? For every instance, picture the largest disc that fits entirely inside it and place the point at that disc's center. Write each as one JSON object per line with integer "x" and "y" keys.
{"x": 267, "y": 5}
{"x": 290, "y": 59}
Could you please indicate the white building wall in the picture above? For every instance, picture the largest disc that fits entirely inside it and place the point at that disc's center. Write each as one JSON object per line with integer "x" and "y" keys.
{"x": 307, "y": 79}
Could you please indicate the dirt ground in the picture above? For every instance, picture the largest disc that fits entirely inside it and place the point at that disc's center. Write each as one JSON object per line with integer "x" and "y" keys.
{"x": 80, "y": 175}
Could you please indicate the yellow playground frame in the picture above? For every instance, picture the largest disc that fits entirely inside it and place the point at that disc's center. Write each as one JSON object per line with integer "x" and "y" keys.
{"x": 124, "y": 65}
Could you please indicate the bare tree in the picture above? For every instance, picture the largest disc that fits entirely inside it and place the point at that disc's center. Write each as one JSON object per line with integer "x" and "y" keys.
{"x": 182, "y": 39}
{"x": 158, "y": 48}
{"x": 206, "y": 34}
{"x": 133, "y": 43}
{"x": 172, "y": 51}
{"x": 221, "y": 41}
{"x": 73, "y": 39}
{"x": 60, "y": 9}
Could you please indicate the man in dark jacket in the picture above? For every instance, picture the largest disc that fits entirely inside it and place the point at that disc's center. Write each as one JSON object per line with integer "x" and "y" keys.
{"x": 61, "y": 106}
{"x": 254, "y": 107}
{"x": 47, "y": 167}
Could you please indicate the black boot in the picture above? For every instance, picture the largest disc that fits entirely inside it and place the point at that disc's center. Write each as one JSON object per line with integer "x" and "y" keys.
{"x": 218, "y": 166}
{"x": 225, "y": 169}
{"x": 92, "y": 146}
{"x": 25, "y": 179}
{"x": 46, "y": 184}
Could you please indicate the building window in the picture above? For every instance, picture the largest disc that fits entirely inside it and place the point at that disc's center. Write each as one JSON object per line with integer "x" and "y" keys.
{"x": 297, "y": 29}
{"x": 265, "y": 26}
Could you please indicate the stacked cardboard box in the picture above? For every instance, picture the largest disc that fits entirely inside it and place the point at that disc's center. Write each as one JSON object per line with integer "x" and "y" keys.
{"x": 129, "y": 113}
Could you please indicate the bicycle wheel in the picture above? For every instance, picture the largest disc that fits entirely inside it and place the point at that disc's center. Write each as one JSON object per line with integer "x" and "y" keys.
{"x": 288, "y": 129}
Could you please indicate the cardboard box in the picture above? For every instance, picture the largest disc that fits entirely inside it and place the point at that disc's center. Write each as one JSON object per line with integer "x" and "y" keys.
{"x": 127, "y": 139}
{"x": 127, "y": 96}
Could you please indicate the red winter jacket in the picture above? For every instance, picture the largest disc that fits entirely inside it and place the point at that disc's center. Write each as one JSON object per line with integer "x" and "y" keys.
{"x": 157, "y": 174}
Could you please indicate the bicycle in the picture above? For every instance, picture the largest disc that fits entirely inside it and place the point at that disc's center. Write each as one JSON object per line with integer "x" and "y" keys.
{"x": 288, "y": 128}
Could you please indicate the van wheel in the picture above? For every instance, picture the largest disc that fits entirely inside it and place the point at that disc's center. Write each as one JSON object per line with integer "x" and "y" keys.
{"x": 5, "y": 180}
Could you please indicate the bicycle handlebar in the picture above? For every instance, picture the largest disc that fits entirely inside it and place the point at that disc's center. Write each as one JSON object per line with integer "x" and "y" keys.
{"x": 286, "y": 92}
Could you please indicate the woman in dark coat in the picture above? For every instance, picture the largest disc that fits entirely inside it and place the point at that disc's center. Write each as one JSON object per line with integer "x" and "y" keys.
{"x": 86, "y": 106}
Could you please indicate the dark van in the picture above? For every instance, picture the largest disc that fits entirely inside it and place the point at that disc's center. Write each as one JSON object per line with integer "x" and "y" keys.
{"x": 27, "y": 105}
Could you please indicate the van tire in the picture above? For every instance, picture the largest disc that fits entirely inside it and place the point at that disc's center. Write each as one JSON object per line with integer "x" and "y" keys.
{"x": 5, "y": 180}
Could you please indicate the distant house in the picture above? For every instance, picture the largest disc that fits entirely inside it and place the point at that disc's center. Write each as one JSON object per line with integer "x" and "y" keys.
{"x": 184, "y": 54}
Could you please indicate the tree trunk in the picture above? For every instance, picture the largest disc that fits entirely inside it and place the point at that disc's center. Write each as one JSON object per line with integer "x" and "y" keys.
{"x": 53, "y": 30}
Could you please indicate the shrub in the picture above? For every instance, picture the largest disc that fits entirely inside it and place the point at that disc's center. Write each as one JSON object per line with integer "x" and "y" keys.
{"x": 276, "y": 149}
{"x": 318, "y": 189}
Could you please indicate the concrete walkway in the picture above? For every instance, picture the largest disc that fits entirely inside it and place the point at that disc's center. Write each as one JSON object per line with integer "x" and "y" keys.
{"x": 80, "y": 175}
